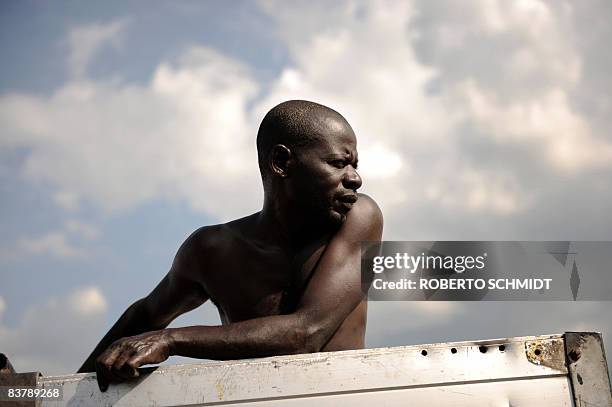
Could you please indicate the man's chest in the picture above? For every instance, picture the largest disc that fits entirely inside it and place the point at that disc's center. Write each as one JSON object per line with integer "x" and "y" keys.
{"x": 250, "y": 282}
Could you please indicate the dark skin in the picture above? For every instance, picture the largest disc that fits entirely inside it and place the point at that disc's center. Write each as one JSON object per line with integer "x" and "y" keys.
{"x": 286, "y": 280}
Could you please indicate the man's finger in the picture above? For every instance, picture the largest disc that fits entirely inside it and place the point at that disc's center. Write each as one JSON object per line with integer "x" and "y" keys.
{"x": 120, "y": 368}
{"x": 111, "y": 354}
{"x": 106, "y": 375}
{"x": 138, "y": 360}
{"x": 103, "y": 376}
{"x": 104, "y": 364}
{"x": 129, "y": 371}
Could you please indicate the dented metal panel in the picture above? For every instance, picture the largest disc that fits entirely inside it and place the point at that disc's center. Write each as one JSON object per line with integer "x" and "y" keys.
{"x": 527, "y": 371}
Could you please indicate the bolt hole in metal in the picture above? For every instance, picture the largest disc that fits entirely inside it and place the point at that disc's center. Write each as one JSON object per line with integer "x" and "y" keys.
{"x": 453, "y": 350}
{"x": 482, "y": 349}
{"x": 502, "y": 348}
{"x": 424, "y": 352}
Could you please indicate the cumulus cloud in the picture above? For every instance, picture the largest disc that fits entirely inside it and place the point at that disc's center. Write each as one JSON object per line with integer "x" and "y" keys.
{"x": 54, "y": 337}
{"x": 184, "y": 135}
{"x": 60, "y": 243}
{"x": 446, "y": 100}
{"x": 87, "y": 301}
{"x": 53, "y": 243}
{"x": 477, "y": 99}
{"x": 86, "y": 41}
{"x": 361, "y": 61}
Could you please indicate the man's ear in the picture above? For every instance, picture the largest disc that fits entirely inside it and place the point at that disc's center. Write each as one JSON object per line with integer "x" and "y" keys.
{"x": 281, "y": 159}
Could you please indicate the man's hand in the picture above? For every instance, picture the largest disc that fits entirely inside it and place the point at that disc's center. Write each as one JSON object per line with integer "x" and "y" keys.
{"x": 121, "y": 360}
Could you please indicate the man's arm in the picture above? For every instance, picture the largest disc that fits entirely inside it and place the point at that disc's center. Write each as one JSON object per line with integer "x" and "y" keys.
{"x": 173, "y": 296}
{"x": 332, "y": 294}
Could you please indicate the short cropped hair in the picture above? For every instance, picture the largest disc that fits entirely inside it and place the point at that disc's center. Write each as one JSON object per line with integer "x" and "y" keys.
{"x": 295, "y": 124}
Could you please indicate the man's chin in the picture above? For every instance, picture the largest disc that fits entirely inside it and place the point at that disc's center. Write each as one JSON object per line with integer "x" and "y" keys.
{"x": 331, "y": 217}
{"x": 337, "y": 217}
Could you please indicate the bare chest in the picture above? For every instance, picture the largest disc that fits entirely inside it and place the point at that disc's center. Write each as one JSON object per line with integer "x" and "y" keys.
{"x": 250, "y": 282}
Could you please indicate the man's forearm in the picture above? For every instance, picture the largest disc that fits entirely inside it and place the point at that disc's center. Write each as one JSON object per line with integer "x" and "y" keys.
{"x": 266, "y": 336}
{"x": 135, "y": 320}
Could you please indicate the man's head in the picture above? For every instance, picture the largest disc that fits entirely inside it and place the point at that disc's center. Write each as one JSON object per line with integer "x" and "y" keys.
{"x": 308, "y": 155}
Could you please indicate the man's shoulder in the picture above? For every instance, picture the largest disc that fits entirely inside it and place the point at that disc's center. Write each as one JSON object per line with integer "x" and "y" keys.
{"x": 366, "y": 205}
{"x": 366, "y": 210}
{"x": 211, "y": 238}
{"x": 203, "y": 249}
{"x": 364, "y": 221}
{"x": 217, "y": 239}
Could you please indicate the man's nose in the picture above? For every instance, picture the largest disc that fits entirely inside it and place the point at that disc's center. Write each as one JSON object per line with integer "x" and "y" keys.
{"x": 351, "y": 179}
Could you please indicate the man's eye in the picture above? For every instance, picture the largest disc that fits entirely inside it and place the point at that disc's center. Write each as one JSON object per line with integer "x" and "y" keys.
{"x": 338, "y": 163}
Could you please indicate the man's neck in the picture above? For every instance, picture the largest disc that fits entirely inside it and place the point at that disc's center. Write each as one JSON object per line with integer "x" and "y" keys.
{"x": 281, "y": 224}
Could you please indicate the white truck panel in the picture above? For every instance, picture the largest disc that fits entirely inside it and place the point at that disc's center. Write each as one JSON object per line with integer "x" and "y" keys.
{"x": 525, "y": 371}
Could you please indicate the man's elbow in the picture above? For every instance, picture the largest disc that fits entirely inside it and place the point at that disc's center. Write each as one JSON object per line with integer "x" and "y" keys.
{"x": 309, "y": 339}
{"x": 151, "y": 317}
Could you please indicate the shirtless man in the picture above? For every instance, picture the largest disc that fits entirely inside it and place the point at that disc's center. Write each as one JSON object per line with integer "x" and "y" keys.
{"x": 286, "y": 280}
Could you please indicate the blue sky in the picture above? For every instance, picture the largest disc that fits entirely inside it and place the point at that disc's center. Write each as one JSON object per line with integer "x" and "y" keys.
{"x": 127, "y": 125}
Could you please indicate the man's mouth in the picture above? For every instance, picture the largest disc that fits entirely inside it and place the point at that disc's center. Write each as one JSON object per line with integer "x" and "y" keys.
{"x": 346, "y": 202}
{"x": 349, "y": 198}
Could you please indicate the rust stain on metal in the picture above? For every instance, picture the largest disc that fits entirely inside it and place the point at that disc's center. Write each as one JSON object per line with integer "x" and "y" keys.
{"x": 574, "y": 346}
{"x": 588, "y": 369}
{"x": 220, "y": 390}
{"x": 549, "y": 353}
{"x": 310, "y": 362}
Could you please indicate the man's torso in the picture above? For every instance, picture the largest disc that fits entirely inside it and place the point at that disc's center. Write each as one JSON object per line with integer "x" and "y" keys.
{"x": 248, "y": 278}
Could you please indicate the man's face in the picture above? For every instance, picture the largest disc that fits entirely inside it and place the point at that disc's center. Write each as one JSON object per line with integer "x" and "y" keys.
{"x": 325, "y": 178}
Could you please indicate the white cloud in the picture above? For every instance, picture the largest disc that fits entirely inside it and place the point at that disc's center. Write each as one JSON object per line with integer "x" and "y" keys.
{"x": 88, "y": 301}
{"x": 88, "y": 40}
{"x": 58, "y": 243}
{"x": 546, "y": 122}
{"x": 477, "y": 192}
{"x": 52, "y": 243}
{"x": 185, "y": 136}
{"x": 55, "y": 337}
{"x": 489, "y": 76}
{"x": 377, "y": 161}
{"x": 501, "y": 71}
{"x": 362, "y": 63}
